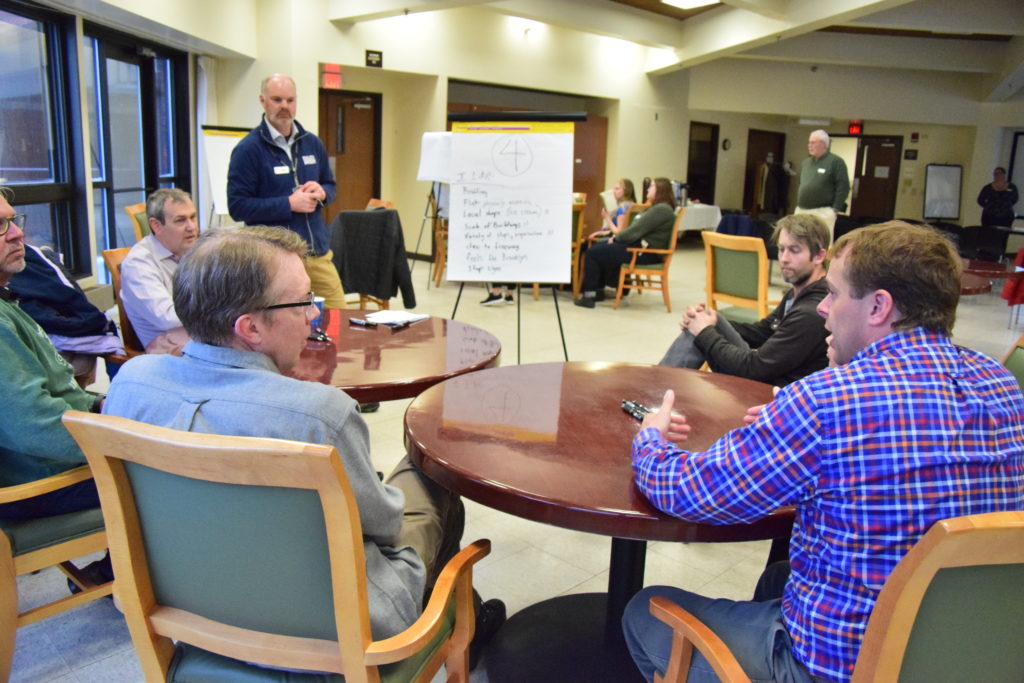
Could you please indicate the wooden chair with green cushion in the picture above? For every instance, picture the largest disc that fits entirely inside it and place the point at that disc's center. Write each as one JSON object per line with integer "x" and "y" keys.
{"x": 30, "y": 545}
{"x": 641, "y": 276}
{"x": 737, "y": 274}
{"x": 950, "y": 611}
{"x": 1014, "y": 361}
{"x": 112, "y": 258}
{"x": 249, "y": 553}
{"x": 140, "y": 223}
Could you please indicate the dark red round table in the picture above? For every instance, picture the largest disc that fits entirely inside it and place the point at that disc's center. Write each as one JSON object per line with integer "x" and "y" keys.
{"x": 383, "y": 364}
{"x": 550, "y": 442}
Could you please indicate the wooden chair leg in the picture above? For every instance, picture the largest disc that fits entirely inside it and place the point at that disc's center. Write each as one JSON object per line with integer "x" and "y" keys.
{"x": 536, "y": 291}
{"x": 618, "y": 292}
{"x": 664, "y": 292}
{"x": 8, "y": 607}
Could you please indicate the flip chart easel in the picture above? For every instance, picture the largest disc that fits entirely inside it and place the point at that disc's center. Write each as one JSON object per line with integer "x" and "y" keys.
{"x": 510, "y": 209}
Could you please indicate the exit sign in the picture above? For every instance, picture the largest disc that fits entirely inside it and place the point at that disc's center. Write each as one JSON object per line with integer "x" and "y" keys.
{"x": 856, "y": 127}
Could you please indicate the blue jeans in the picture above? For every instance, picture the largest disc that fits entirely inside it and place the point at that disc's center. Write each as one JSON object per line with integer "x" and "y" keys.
{"x": 752, "y": 630}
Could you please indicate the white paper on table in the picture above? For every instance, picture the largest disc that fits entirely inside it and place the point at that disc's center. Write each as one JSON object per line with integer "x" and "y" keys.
{"x": 389, "y": 317}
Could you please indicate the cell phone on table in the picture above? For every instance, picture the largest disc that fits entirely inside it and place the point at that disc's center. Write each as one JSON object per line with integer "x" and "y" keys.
{"x": 636, "y": 409}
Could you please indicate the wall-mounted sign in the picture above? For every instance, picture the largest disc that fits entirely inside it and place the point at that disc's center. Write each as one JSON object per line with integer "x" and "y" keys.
{"x": 375, "y": 58}
{"x": 910, "y": 154}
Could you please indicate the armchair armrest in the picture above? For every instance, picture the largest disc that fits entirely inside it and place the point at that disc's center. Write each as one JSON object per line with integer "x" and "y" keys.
{"x": 456, "y": 578}
{"x": 9, "y": 494}
{"x": 636, "y": 251}
{"x": 689, "y": 631}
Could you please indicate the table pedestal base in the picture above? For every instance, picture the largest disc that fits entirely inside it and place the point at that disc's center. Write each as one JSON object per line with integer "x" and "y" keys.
{"x": 561, "y": 639}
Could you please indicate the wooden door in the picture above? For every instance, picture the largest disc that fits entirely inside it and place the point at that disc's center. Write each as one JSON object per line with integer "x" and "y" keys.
{"x": 761, "y": 143}
{"x": 876, "y": 176}
{"x": 702, "y": 163}
{"x": 350, "y": 129}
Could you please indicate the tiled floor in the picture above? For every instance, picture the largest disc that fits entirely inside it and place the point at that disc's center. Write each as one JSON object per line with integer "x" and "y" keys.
{"x": 529, "y": 561}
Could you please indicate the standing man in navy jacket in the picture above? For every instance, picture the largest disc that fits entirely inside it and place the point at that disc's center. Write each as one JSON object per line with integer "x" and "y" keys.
{"x": 279, "y": 176}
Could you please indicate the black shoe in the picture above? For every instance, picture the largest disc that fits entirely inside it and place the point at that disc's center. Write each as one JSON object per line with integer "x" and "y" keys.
{"x": 599, "y": 295}
{"x": 509, "y": 299}
{"x": 368, "y": 407}
{"x": 586, "y": 302}
{"x": 490, "y": 616}
{"x": 98, "y": 572}
{"x": 491, "y": 300}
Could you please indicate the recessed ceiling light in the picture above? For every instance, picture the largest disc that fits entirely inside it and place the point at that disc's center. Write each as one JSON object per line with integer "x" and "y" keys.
{"x": 690, "y": 4}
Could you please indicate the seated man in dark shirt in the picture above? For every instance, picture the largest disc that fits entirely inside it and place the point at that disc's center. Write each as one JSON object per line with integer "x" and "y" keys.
{"x": 790, "y": 342}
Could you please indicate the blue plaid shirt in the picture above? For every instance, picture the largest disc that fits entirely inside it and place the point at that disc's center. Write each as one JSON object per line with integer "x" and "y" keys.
{"x": 912, "y": 430}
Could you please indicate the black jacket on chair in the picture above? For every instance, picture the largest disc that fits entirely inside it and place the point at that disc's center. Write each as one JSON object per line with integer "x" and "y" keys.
{"x": 369, "y": 253}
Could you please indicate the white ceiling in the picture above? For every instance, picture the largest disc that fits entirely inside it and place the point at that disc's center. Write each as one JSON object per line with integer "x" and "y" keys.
{"x": 786, "y": 30}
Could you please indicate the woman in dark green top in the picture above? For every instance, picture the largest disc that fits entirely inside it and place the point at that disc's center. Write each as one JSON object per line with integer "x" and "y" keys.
{"x": 652, "y": 228}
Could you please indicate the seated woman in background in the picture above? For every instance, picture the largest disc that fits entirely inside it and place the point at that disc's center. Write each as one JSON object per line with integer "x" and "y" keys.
{"x": 652, "y": 228}
{"x": 625, "y": 195}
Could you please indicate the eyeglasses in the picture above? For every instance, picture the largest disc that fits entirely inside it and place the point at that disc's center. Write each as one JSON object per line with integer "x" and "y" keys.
{"x": 307, "y": 302}
{"x": 18, "y": 219}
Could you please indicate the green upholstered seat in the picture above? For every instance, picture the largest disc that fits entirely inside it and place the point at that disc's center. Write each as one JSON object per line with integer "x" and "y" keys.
{"x": 967, "y": 625}
{"x": 250, "y": 552}
{"x": 34, "y": 534}
{"x": 1015, "y": 363}
{"x": 142, "y": 222}
{"x": 736, "y": 273}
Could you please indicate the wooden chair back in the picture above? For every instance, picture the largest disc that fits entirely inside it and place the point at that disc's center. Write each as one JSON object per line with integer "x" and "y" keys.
{"x": 737, "y": 272}
{"x": 1014, "y": 360}
{"x": 379, "y": 204}
{"x": 641, "y": 276}
{"x": 140, "y": 223}
{"x": 26, "y": 546}
{"x": 112, "y": 258}
{"x": 440, "y": 230}
{"x": 950, "y": 610}
{"x": 579, "y": 208}
{"x": 251, "y": 549}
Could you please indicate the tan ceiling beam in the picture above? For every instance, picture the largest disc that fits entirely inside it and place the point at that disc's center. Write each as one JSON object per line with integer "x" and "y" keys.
{"x": 1009, "y": 81}
{"x": 601, "y": 17}
{"x": 773, "y": 9}
{"x": 1000, "y": 17}
{"x": 728, "y": 30}
{"x": 896, "y": 52}
{"x": 354, "y": 11}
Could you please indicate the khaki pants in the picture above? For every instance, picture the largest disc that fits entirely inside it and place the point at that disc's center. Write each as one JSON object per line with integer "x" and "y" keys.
{"x": 825, "y": 213}
{"x": 325, "y": 281}
{"x": 433, "y": 520}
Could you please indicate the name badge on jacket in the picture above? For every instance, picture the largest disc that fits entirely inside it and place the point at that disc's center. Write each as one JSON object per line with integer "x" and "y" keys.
{"x": 309, "y": 159}
{"x": 282, "y": 170}
{"x": 821, "y": 170}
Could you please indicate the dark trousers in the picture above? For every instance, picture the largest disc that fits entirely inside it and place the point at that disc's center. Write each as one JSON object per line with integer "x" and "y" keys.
{"x": 604, "y": 261}
{"x": 80, "y": 496}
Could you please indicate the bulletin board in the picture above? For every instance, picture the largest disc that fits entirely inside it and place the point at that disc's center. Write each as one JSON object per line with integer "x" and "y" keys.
{"x": 942, "y": 183}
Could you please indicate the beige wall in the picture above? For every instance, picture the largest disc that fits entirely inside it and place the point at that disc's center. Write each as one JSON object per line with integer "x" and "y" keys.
{"x": 648, "y": 116}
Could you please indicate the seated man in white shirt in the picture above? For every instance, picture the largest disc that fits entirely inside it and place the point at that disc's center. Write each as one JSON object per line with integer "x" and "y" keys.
{"x": 148, "y": 269}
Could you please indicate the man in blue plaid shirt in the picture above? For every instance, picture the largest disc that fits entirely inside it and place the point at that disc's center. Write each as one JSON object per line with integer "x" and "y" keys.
{"x": 904, "y": 429}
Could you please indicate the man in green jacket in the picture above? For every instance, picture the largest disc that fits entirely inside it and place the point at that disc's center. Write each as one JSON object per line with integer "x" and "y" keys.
{"x": 824, "y": 181}
{"x": 38, "y": 387}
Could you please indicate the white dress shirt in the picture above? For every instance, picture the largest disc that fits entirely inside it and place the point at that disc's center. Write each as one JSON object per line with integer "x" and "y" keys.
{"x": 147, "y": 274}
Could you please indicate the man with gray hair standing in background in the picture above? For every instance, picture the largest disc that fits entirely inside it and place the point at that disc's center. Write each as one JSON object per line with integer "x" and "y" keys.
{"x": 279, "y": 175}
{"x": 824, "y": 181}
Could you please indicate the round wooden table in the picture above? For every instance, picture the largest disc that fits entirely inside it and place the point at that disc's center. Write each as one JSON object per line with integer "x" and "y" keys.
{"x": 992, "y": 270}
{"x": 550, "y": 442}
{"x": 383, "y": 364}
